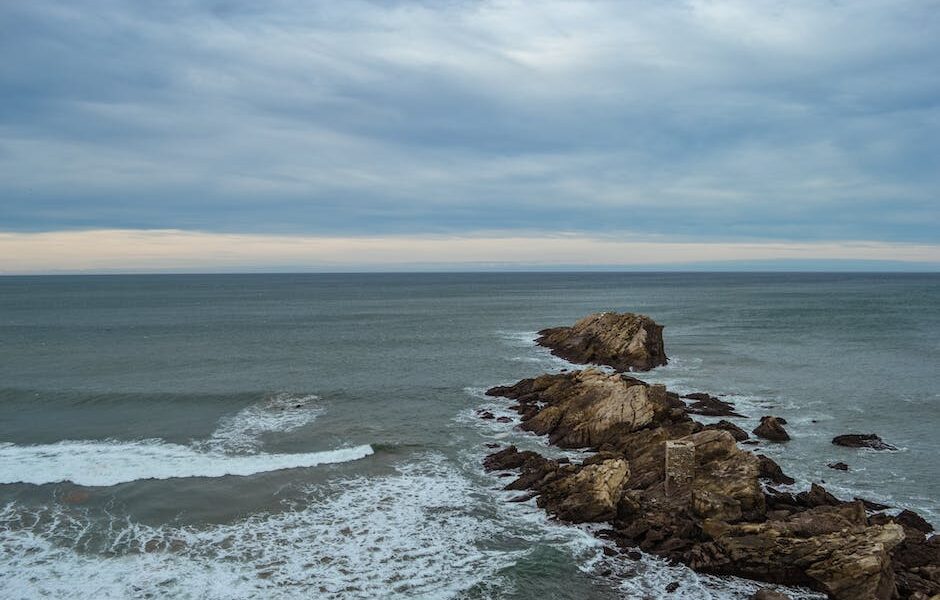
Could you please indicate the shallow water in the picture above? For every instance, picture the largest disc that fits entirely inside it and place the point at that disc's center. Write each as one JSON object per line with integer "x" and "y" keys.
{"x": 296, "y": 436}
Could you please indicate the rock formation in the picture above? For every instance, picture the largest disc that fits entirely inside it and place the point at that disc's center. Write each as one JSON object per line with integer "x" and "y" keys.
{"x": 624, "y": 341}
{"x": 736, "y": 432}
{"x": 710, "y": 406}
{"x": 771, "y": 428}
{"x": 862, "y": 440}
{"x": 725, "y": 520}
{"x": 581, "y": 409}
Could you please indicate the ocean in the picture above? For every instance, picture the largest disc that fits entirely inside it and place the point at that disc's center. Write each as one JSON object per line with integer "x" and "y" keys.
{"x": 316, "y": 436}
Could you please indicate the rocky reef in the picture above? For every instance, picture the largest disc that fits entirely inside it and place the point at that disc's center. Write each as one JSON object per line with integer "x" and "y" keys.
{"x": 624, "y": 341}
{"x": 676, "y": 488}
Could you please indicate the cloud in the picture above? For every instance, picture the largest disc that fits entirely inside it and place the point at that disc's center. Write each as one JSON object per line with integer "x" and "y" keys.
{"x": 700, "y": 120}
{"x": 102, "y": 251}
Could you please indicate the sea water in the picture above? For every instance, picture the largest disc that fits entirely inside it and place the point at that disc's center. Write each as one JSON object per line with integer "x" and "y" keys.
{"x": 316, "y": 436}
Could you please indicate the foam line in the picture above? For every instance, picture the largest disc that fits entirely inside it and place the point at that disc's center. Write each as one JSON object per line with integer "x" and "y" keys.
{"x": 105, "y": 463}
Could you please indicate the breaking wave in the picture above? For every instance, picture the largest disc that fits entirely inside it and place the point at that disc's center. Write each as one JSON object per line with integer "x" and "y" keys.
{"x": 232, "y": 449}
{"x": 105, "y": 463}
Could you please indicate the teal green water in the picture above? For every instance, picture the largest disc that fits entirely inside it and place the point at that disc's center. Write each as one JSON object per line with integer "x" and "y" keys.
{"x": 298, "y": 436}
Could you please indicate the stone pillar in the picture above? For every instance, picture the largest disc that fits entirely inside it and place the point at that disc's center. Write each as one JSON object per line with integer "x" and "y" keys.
{"x": 680, "y": 467}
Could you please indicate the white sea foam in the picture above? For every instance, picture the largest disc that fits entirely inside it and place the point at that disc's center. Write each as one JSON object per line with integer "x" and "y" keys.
{"x": 232, "y": 449}
{"x": 104, "y": 463}
{"x": 410, "y": 534}
{"x": 244, "y": 431}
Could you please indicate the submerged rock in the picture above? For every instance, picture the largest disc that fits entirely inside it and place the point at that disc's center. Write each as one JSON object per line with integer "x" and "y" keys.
{"x": 862, "y": 440}
{"x": 838, "y": 466}
{"x": 624, "y": 341}
{"x": 771, "y": 428}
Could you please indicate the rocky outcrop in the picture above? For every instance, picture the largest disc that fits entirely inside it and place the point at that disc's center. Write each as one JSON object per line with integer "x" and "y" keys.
{"x": 725, "y": 521}
{"x": 833, "y": 549}
{"x": 736, "y": 432}
{"x": 862, "y": 440}
{"x": 710, "y": 406}
{"x": 624, "y": 341}
{"x": 583, "y": 493}
{"x": 771, "y": 428}
{"x": 581, "y": 409}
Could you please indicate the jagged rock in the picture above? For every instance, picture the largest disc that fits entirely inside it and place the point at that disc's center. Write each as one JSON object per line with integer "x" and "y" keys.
{"x": 838, "y": 466}
{"x": 590, "y": 494}
{"x": 510, "y": 458}
{"x": 723, "y": 521}
{"x": 769, "y": 469}
{"x": 624, "y": 341}
{"x": 862, "y": 440}
{"x": 771, "y": 428}
{"x": 817, "y": 496}
{"x": 911, "y": 519}
{"x": 585, "y": 408}
{"x": 710, "y": 406}
{"x": 830, "y": 548}
{"x": 872, "y": 506}
{"x": 736, "y": 432}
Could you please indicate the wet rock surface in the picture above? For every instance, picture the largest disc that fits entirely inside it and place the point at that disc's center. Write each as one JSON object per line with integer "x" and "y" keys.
{"x": 729, "y": 519}
{"x": 580, "y": 409}
{"x": 736, "y": 432}
{"x": 771, "y": 428}
{"x": 710, "y": 406}
{"x": 624, "y": 341}
{"x": 862, "y": 440}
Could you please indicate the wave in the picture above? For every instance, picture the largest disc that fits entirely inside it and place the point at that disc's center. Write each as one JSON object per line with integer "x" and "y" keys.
{"x": 110, "y": 462}
{"x": 409, "y": 534}
{"x": 243, "y": 431}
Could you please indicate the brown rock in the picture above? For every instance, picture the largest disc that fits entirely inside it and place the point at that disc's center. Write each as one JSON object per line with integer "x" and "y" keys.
{"x": 838, "y": 466}
{"x": 590, "y": 494}
{"x": 829, "y": 548}
{"x": 769, "y": 469}
{"x": 736, "y": 432}
{"x": 585, "y": 408}
{"x": 909, "y": 518}
{"x": 771, "y": 428}
{"x": 624, "y": 341}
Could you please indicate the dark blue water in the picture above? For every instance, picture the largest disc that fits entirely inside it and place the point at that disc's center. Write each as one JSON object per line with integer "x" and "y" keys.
{"x": 282, "y": 436}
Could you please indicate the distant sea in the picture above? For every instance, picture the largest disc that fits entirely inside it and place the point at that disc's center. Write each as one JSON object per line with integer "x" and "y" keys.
{"x": 315, "y": 436}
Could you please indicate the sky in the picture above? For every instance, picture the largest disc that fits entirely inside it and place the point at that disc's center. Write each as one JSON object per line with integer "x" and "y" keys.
{"x": 188, "y": 135}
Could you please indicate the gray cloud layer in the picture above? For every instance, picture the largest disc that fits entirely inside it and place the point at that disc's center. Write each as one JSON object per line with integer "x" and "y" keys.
{"x": 692, "y": 120}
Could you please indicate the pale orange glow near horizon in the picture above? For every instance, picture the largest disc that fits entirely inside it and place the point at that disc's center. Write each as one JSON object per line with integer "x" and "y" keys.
{"x": 121, "y": 250}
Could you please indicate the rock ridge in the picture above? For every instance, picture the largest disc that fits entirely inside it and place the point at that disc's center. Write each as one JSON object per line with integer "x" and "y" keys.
{"x": 729, "y": 519}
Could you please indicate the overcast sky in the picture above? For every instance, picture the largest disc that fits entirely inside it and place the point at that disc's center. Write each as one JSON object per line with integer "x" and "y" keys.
{"x": 723, "y": 124}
